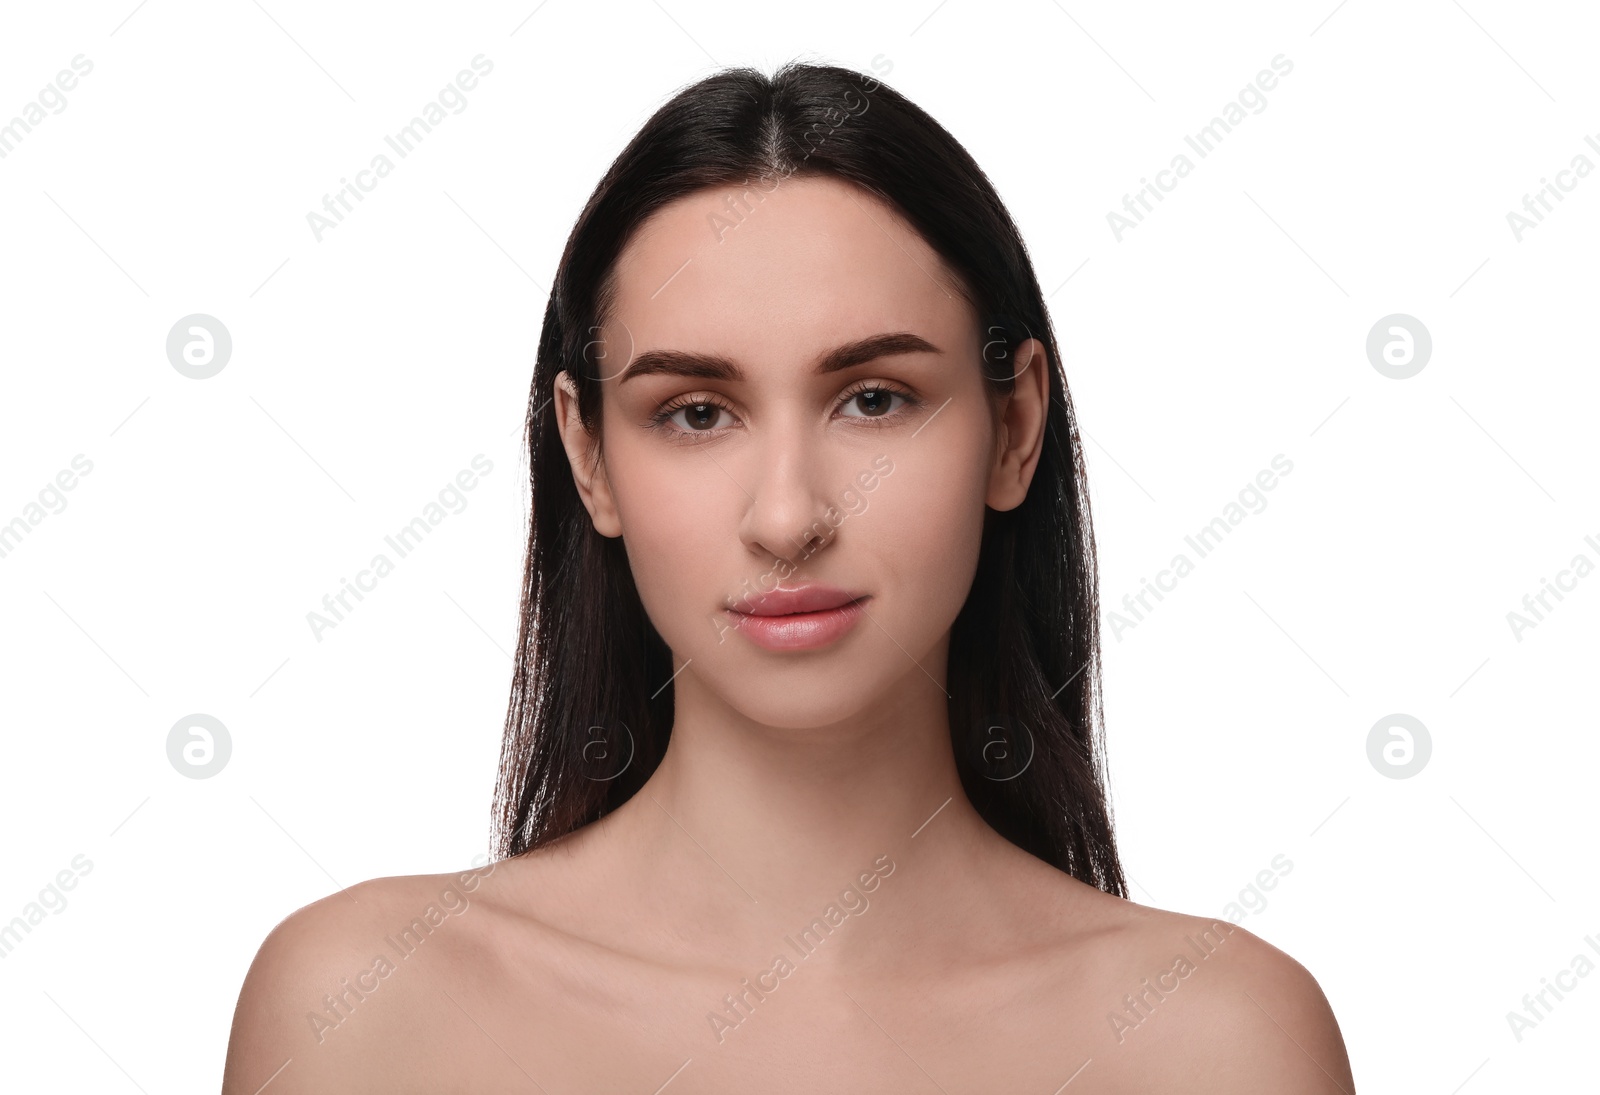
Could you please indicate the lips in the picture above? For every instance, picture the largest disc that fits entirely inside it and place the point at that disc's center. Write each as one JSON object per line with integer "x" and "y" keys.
{"x": 802, "y": 617}
{"x": 808, "y": 597}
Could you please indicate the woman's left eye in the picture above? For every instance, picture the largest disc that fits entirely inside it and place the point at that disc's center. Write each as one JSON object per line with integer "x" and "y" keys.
{"x": 875, "y": 402}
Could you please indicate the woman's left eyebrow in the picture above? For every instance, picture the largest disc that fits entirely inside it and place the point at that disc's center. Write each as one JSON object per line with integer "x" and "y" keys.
{"x": 717, "y": 367}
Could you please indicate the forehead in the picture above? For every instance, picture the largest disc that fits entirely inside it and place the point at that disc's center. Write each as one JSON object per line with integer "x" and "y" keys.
{"x": 790, "y": 266}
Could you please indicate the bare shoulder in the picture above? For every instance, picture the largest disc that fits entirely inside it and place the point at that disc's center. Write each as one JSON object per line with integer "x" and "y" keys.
{"x": 340, "y": 990}
{"x": 1209, "y": 1006}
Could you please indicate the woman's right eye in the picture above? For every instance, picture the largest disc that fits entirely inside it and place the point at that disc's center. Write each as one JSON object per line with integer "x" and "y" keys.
{"x": 699, "y": 418}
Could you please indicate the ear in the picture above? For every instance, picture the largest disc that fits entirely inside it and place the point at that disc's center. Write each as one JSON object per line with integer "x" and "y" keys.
{"x": 584, "y": 454}
{"x": 1023, "y": 420}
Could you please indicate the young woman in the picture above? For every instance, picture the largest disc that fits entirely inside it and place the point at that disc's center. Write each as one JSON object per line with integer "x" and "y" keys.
{"x": 802, "y": 786}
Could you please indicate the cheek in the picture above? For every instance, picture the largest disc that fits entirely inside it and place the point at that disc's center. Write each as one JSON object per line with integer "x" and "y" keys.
{"x": 678, "y": 518}
{"x": 925, "y": 525}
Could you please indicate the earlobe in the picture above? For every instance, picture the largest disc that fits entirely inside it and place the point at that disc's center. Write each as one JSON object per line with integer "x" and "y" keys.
{"x": 585, "y": 458}
{"x": 1023, "y": 421}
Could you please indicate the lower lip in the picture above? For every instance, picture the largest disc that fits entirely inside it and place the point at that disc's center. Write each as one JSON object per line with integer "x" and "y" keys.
{"x": 800, "y": 630}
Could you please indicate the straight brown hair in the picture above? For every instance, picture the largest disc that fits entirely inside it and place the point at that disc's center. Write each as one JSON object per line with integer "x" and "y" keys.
{"x": 591, "y": 705}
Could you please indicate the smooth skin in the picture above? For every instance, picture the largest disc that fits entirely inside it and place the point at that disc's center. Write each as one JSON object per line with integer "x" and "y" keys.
{"x": 803, "y": 790}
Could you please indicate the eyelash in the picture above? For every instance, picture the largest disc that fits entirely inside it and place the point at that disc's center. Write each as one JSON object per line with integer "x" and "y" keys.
{"x": 658, "y": 421}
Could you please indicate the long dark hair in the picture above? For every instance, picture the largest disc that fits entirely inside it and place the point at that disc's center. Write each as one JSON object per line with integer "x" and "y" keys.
{"x": 591, "y": 704}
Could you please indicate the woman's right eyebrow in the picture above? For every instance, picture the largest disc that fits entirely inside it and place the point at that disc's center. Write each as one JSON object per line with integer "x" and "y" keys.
{"x": 716, "y": 367}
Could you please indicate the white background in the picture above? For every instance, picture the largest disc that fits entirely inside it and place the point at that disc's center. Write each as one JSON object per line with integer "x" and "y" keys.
{"x": 370, "y": 367}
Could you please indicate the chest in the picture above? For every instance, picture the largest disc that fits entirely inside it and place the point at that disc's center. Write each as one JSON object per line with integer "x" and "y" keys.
{"x": 773, "y": 1029}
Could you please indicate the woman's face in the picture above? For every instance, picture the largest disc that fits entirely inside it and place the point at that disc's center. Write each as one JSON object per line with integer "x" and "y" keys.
{"x": 781, "y": 463}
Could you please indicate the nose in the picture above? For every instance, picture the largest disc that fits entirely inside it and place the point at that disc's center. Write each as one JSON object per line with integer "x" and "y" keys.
{"x": 786, "y": 512}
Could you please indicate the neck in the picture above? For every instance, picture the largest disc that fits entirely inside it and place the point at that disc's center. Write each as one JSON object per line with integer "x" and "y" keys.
{"x": 756, "y": 832}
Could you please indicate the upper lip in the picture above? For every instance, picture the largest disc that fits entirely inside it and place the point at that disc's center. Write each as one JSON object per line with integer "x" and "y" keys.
{"x": 807, "y": 597}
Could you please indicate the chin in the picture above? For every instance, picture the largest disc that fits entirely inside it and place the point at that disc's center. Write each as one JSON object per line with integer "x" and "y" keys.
{"x": 802, "y": 698}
